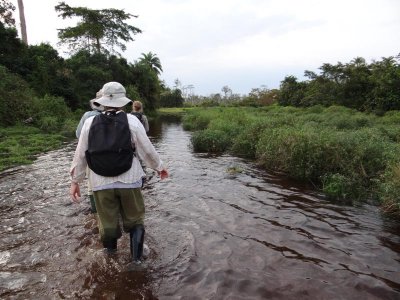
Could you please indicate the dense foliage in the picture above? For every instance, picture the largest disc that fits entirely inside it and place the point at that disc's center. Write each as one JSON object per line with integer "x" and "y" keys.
{"x": 43, "y": 95}
{"x": 75, "y": 79}
{"x": 171, "y": 98}
{"x": 350, "y": 155}
{"x": 366, "y": 87}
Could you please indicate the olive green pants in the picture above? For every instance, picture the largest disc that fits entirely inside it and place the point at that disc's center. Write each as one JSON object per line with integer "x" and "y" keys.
{"x": 113, "y": 203}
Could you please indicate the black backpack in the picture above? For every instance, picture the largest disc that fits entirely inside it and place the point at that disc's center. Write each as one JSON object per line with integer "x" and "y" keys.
{"x": 138, "y": 115}
{"x": 110, "y": 151}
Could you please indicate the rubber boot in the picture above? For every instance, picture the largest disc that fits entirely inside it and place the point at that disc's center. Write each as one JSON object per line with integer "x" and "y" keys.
{"x": 110, "y": 246}
{"x": 137, "y": 241}
{"x": 93, "y": 209}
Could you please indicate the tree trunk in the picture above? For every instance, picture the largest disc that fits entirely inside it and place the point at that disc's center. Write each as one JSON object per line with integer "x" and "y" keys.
{"x": 98, "y": 46}
{"x": 22, "y": 20}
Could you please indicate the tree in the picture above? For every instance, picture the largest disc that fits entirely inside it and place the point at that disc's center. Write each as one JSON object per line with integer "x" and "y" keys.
{"x": 12, "y": 51}
{"x": 15, "y": 96}
{"x": 291, "y": 91}
{"x": 171, "y": 98}
{"x": 97, "y": 31}
{"x": 23, "y": 22}
{"x": 6, "y": 11}
{"x": 260, "y": 97}
{"x": 148, "y": 85}
{"x": 152, "y": 61}
{"x": 227, "y": 92}
{"x": 385, "y": 94}
{"x": 178, "y": 83}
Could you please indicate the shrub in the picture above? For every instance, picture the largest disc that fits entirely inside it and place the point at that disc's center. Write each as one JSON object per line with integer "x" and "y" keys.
{"x": 196, "y": 121}
{"x": 215, "y": 141}
{"x": 48, "y": 123}
{"x": 68, "y": 128}
{"x": 337, "y": 186}
{"x": 49, "y": 112}
{"x": 244, "y": 144}
{"x": 389, "y": 189}
{"x": 15, "y": 98}
{"x": 357, "y": 161}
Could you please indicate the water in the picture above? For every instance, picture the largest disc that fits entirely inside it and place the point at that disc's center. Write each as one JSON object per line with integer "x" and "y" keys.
{"x": 218, "y": 228}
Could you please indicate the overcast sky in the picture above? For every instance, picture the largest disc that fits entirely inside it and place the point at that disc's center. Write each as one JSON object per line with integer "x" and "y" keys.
{"x": 243, "y": 44}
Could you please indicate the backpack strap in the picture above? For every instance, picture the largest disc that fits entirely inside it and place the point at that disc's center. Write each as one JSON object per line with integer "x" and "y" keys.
{"x": 138, "y": 115}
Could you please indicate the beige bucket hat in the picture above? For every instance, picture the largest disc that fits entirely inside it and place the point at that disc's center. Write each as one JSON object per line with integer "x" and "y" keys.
{"x": 114, "y": 95}
{"x": 96, "y": 106}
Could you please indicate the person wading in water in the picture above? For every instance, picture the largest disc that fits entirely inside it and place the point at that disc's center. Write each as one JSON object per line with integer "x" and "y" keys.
{"x": 137, "y": 110}
{"x": 96, "y": 110}
{"x": 110, "y": 144}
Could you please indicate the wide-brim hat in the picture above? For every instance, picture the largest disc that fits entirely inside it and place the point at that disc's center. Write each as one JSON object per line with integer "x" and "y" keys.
{"x": 94, "y": 105}
{"x": 114, "y": 95}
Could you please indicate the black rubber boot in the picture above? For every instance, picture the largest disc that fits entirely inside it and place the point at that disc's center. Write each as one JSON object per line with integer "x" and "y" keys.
{"x": 93, "y": 209}
{"x": 110, "y": 246}
{"x": 137, "y": 240}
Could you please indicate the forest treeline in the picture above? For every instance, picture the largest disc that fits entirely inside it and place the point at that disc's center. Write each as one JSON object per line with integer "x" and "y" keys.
{"x": 373, "y": 87}
{"x": 43, "y": 94}
{"x": 38, "y": 71}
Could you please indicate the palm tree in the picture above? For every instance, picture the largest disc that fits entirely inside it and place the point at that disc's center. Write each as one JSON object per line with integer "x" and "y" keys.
{"x": 22, "y": 20}
{"x": 152, "y": 61}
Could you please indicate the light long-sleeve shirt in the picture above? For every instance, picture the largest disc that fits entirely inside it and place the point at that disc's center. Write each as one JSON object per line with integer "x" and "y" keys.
{"x": 144, "y": 148}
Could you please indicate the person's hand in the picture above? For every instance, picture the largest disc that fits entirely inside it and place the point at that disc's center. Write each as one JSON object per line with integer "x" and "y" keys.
{"x": 163, "y": 174}
{"x": 75, "y": 192}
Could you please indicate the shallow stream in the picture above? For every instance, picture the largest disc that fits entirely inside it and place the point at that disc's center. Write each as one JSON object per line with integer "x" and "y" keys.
{"x": 218, "y": 228}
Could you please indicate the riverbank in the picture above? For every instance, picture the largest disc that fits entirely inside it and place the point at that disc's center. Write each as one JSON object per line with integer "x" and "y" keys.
{"x": 20, "y": 144}
{"x": 350, "y": 156}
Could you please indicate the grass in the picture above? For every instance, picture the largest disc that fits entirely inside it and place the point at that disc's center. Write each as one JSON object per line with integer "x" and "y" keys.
{"x": 19, "y": 145}
{"x": 349, "y": 155}
{"x": 173, "y": 110}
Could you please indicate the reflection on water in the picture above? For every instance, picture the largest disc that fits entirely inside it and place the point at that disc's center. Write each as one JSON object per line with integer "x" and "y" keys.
{"x": 213, "y": 234}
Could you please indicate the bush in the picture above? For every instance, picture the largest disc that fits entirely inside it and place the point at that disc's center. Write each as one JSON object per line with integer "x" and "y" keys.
{"x": 215, "y": 141}
{"x": 357, "y": 161}
{"x": 337, "y": 186}
{"x": 389, "y": 189}
{"x": 48, "y": 123}
{"x": 68, "y": 128}
{"x": 196, "y": 121}
{"x": 49, "y": 112}
{"x": 15, "y": 98}
{"x": 244, "y": 144}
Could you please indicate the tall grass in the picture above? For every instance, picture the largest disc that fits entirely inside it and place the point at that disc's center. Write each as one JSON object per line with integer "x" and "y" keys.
{"x": 20, "y": 143}
{"x": 347, "y": 154}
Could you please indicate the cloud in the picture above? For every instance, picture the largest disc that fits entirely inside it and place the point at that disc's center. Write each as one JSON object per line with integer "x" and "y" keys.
{"x": 243, "y": 44}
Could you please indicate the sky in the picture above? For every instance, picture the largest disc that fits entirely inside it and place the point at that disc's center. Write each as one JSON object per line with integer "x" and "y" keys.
{"x": 242, "y": 44}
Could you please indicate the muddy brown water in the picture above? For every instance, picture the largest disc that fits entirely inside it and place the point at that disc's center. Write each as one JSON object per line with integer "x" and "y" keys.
{"x": 213, "y": 234}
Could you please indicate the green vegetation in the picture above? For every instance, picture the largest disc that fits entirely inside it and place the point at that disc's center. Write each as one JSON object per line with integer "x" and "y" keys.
{"x": 94, "y": 62}
{"x": 349, "y": 155}
{"x": 177, "y": 111}
{"x": 365, "y": 87}
{"x": 43, "y": 95}
{"x": 317, "y": 134}
{"x": 19, "y": 144}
